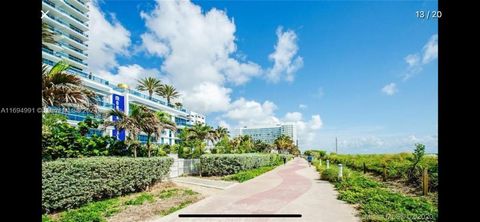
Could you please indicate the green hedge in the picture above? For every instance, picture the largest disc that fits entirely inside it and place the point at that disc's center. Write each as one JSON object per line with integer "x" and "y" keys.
{"x": 69, "y": 183}
{"x": 225, "y": 164}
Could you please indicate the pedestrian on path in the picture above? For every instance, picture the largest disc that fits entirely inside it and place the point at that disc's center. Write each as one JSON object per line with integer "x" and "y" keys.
{"x": 284, "y": 160}
{"x": 309, "y": 159}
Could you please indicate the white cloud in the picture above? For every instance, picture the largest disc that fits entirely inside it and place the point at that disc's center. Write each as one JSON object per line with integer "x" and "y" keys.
{"x": 198, "y": 50}
{"x": 412, "y": 60}
{"x": 206, "y": 96}
{"x": 306, "y": 130}
{"x": 286, "y": 63}
{"x": 390, "y": 89}
{"x": 293, "y": 117}
{"x": 430, "y": 50}
{"x": 316, "y": 122}
{"x": 129, "y": 74}
{"x": 252, "y": 113}
{"x": 416, "y": 61}
{"x": 224, "y": 124}
{"x": 302, "y": 106}
{"x": 152, "y": 46}
{"x": 107, "y": 40}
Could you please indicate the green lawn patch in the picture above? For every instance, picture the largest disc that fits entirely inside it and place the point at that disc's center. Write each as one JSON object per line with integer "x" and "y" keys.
{"x": 95, "y": 211}
{"x": 140, "y": 199}
{"x": 243, "y": 176}
{"x": 175, "y": 208}
{"x": 159, "y": 201}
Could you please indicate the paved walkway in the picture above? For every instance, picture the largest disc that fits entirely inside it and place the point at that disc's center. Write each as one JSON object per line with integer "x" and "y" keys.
{"x": 290, "y": 189}
{"x": 218, "y": 184}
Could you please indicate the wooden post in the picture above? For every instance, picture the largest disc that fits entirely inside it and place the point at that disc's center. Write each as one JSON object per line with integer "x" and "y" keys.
{"x": 425, "y": 181}
{"x": 364, "y": 168}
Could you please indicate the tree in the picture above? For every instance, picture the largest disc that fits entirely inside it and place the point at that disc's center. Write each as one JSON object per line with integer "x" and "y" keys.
{"x": 65, "y": 90}
{"x": 164, "y": 122}
{"x": 415, "y": 172}
{"x": 220, "y": 132}
{"x": 132, "y": 124}
{"x": 150, "y": 85}
{"x": 262, "y": 147}
{"x": 284, "y": 143}
{"x": 169, "y": 92}
{"x": 223, "y": 145}
{"x": 201, "y": 132}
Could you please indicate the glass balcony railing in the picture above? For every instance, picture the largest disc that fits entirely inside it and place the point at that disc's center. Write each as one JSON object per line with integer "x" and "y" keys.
{"x": 77, "y": 30}
{"x": 115, "y": 87}
{"x": 58, "y": 32}
{"x": 51, "y": 4}
{"x": 105, "y": 104}
{"x": 72, "y": 48}
{"x": 75, "y": 8}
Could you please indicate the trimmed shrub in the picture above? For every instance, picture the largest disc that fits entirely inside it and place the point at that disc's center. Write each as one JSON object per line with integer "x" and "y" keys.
{"x": 225, "y": 164}
{"x": 69, "y": 183}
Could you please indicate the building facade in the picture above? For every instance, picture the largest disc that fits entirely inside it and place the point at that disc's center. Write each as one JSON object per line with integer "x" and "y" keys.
{"x": 68, "y": 19}
{"x": 268, "y": 134}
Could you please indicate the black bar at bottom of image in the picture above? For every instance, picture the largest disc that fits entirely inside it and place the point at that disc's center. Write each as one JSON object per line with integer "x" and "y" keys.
{"x": 240, "y": 215}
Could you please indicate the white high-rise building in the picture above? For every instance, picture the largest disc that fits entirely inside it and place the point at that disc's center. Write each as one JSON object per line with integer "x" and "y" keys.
{"x": 269, "y": 133}
{"x": 68, "y": 20}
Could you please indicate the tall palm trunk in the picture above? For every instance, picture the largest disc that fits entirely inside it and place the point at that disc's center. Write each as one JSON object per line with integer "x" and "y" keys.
{"x": 148, "y": 144}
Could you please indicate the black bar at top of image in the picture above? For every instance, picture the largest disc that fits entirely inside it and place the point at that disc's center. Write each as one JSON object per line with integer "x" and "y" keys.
{"x": 240, "y": 215}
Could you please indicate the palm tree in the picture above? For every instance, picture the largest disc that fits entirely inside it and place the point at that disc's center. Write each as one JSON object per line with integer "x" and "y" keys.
{"x": 178, "y": 104}
{"x": 47, "y": 35}
{"x": 221, "y": 132}
{"x": 284, "y": 143}
{"x": 163, "y": 122}
{"x": 201, "y": 132}
{"x": 65, "y": 90}
{"x": 129, "y": 123}
{"x": 246, "y": 143}
{"x": 141, "y": 119}
{"x": 149, "y": 84}
{"x": 169, "y": 92}
{"x": 132, "y": 124}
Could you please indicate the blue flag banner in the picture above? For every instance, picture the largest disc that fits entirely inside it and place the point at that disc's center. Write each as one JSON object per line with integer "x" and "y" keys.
{"x": 119, "y": 104}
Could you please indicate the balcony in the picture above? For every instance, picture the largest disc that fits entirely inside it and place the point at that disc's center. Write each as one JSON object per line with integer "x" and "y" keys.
{"x": 114, "y": 85}
{"x": 59, "y": 11}
{"x": 82, "y": 6}
{"x": 66, "y": 26}
{"x": 76, "y": 8}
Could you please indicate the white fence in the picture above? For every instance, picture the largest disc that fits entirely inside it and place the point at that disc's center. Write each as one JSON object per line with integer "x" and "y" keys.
{"x": 183, "y": 166}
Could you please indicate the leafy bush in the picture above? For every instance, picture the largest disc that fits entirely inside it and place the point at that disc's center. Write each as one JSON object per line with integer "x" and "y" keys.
{"x": 398, "y": 166}
{"x": 375, "y": 201}
{"x": 62, "y": 140}
{"x": 243, "y": 176}
{"x": 68, "y": 183}
{"x": 317, "y": 154}
{"x": 225, "y": 164}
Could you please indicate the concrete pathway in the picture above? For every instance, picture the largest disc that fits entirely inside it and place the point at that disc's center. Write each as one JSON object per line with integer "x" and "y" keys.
{"x": 218, "y": 184}
{"x": 290, "y": 189}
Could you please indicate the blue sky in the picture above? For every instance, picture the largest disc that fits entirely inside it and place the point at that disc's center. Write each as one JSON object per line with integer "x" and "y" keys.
{"x": 362, "y": 71}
